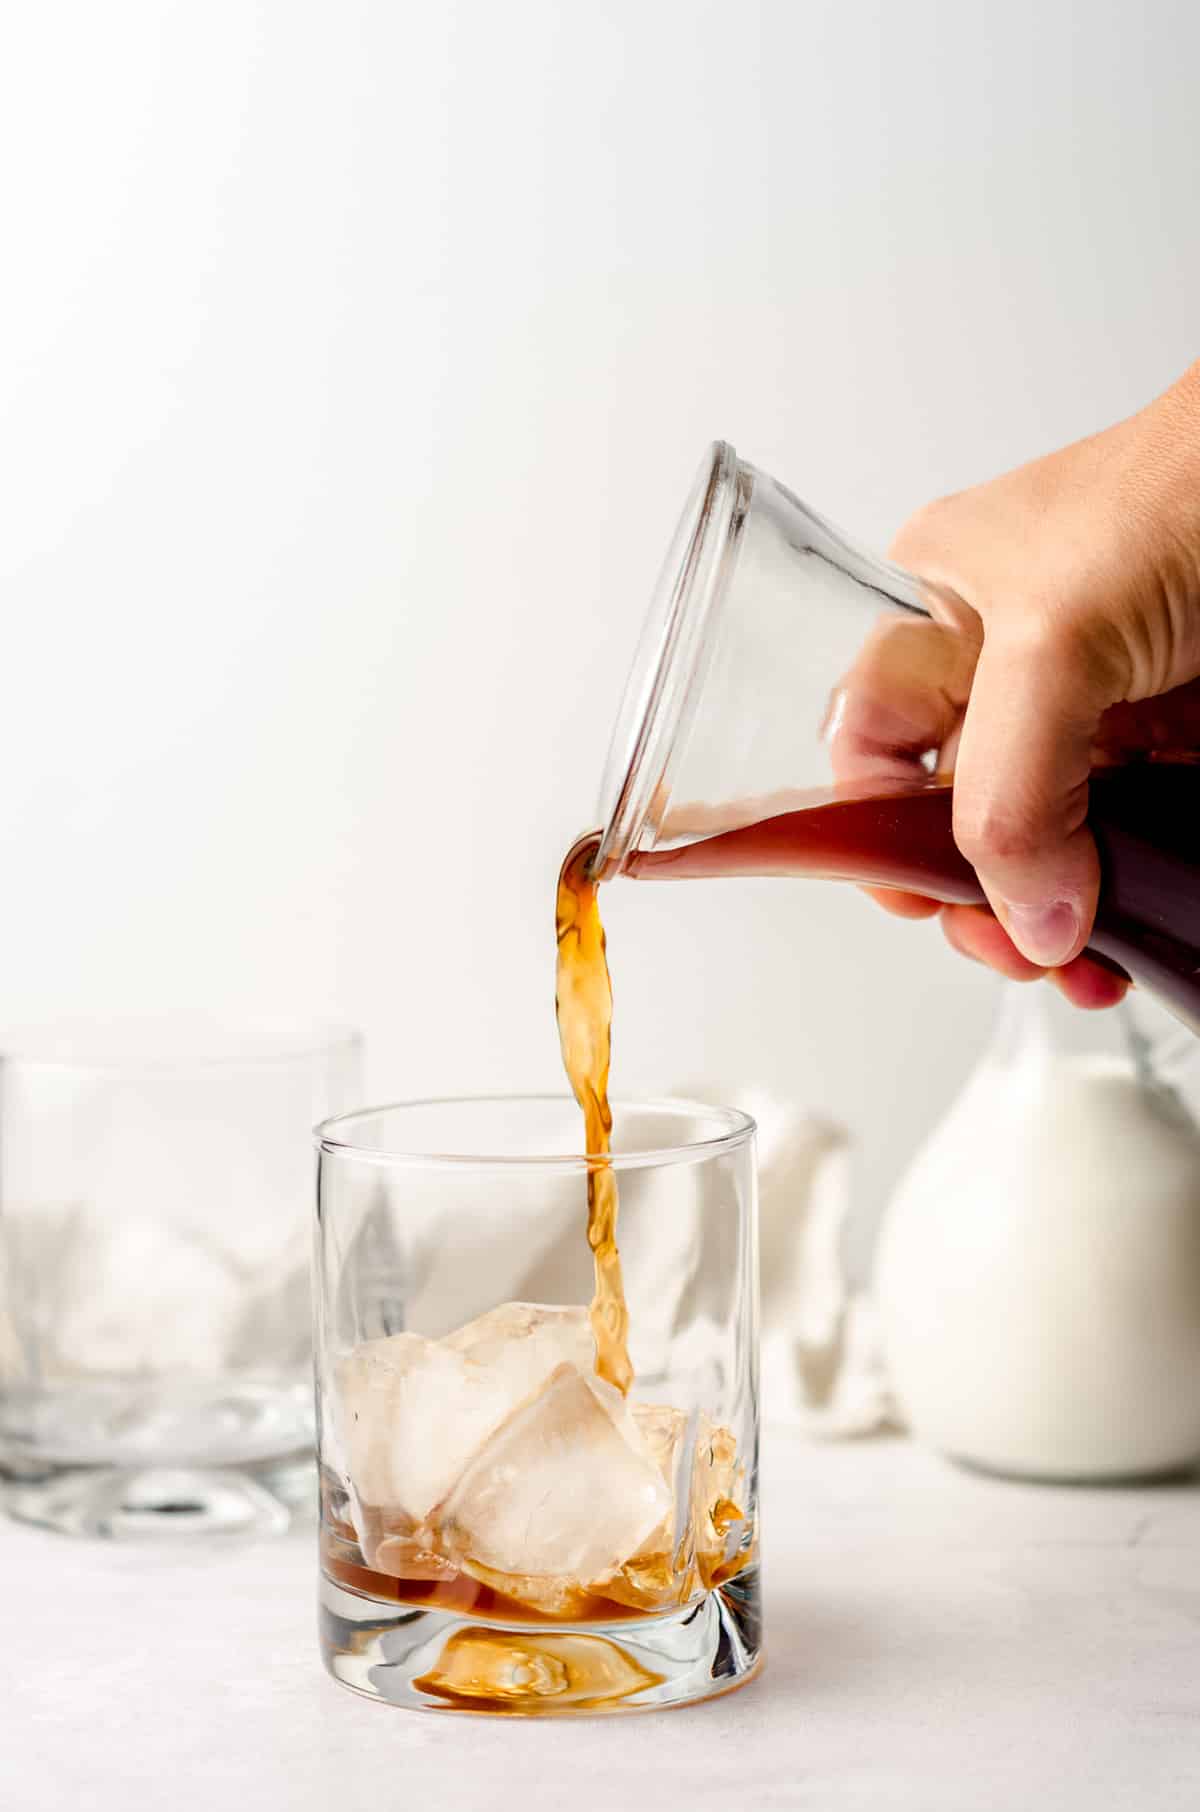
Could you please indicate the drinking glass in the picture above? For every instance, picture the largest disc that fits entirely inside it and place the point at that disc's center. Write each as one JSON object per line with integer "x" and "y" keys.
{"x": 155, "y": 1337}
{"x": 500, "y": 1530}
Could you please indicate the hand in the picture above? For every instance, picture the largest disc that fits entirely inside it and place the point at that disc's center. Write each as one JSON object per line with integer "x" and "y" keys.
{"x": 1065, "y": 632}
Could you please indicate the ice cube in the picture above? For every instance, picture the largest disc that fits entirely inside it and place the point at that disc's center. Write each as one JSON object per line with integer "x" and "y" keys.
{"x": 524, "y": 1341}
{"x": 718, "y": 1496}
{"x": 94, "y": 1309}
{"x": 407, "y": 1558}
{"x": 660, "y": 1573}
{"x": 412, "y": 1412}
{"x": 563, "y": 1490}
{"x": 662, "y": 1429}
{"x": 690, "y": 1548}
{"x": 550, "y": 1596}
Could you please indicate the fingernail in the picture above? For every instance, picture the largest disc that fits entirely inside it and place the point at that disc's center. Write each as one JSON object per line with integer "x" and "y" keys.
{"x": 1045, "y": 934}
{"x": 835, "y": 712}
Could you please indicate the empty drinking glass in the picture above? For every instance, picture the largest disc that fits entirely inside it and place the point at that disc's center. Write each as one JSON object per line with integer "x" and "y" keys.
{"x": 501, "y": 1529}
{"x": 155, "y": 1181}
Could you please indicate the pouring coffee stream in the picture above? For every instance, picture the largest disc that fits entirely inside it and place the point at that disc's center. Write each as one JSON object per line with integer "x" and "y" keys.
{"x": 583, "y": 1001}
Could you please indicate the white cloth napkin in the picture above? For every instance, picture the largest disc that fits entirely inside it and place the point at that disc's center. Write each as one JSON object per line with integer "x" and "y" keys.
{"x": 822, "y": 1367}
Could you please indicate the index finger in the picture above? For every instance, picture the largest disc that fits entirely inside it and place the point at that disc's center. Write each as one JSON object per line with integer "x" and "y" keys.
{"x": 901, "y": 702}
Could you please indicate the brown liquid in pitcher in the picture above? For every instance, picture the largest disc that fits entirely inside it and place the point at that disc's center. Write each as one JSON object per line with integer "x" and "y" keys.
{"x": 583, "y": 997}
{"x": 1145, "y": 818}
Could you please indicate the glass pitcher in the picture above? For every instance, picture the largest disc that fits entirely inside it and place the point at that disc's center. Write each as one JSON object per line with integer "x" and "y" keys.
{"x": 776, "y": 721}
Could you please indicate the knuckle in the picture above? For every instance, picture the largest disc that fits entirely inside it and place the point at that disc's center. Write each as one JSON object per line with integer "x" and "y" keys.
{"x": 992, "y": 833}
{"x": 1035, "y": 626}
{"x": 1069, "y": 631}
{"x": 926, "y": 530}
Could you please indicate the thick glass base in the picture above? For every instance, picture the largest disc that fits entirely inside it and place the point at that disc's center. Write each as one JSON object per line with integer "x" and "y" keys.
{"x": 124, "y": 1503}
{"x": 440, "y": 1661}
{"x": 129, "y": 1457}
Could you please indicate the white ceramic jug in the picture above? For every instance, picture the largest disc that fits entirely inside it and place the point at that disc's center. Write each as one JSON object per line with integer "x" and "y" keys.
{"x": 1038, "y": 1268}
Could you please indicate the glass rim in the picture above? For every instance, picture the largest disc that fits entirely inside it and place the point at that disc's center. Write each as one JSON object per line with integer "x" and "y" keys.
{"x": 739, "y": 1129}
{"x": 659, "y": 687}
{"x": 76, "y": 1046}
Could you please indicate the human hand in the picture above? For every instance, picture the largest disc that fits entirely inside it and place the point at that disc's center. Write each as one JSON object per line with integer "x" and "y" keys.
{"x": 1065, "y": 633}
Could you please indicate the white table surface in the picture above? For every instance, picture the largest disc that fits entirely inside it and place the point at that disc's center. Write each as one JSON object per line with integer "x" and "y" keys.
{"x": 935, "y": 1640}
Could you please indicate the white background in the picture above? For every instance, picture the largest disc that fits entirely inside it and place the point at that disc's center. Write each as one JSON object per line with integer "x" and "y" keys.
{"x": 353, "y": 362}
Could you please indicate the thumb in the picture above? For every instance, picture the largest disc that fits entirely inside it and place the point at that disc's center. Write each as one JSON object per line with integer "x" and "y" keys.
{"x": 1021, "y": 793}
